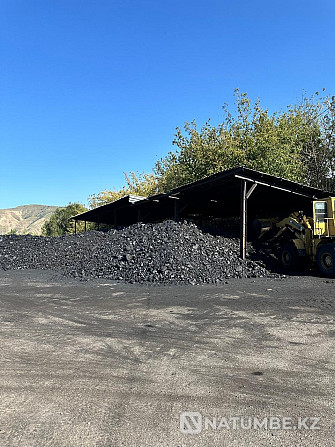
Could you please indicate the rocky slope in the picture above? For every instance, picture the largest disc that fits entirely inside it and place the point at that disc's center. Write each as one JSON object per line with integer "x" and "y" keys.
{"x": 25, "y": 219}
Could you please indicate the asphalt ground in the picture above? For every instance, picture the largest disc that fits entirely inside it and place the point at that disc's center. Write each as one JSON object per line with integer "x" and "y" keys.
{"x": 101, "y": 363}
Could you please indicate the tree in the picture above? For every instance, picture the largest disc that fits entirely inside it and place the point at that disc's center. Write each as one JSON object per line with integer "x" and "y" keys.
{"x": 136, "y": 184}
{"x": 318, "y": 152}
{"x": 59, "y": 223}
{"x": 12, "y": 231}
{"x": 297, "y": 144}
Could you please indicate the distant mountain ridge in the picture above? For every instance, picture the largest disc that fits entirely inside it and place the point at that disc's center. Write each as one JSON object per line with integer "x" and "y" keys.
{"x": 25, "y": 218}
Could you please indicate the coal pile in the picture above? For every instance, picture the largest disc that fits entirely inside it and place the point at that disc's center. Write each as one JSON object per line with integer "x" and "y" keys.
{"x": 166, "y": 252}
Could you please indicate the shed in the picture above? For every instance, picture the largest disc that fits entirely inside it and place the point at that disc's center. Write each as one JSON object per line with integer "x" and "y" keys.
{"x": 235, "y": 192}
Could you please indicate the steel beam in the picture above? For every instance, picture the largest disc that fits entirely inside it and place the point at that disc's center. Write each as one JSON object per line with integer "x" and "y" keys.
{"x": 292, "y": 191}
{"x": 243, "y": 220}
{"x": 176, "y": 210}
{"x": 251, "y": 190}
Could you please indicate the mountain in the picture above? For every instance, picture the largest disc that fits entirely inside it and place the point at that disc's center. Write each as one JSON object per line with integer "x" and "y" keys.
{"x": 25, "y": 219}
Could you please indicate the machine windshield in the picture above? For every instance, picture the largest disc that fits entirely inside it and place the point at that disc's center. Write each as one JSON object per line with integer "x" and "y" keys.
{"x": 321, "y": 211}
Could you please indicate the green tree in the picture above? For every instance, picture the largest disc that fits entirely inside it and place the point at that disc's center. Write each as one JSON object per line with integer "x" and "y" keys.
{"x": 12, "y": 231}
{"x": 59, "y": 223}
{"x": 318, "y": 152}
{"x": 136, "y": 184}
{"x": 297, "y": 144}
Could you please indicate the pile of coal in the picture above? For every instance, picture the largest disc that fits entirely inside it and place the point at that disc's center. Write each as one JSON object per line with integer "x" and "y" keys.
{"x": 166, "y": 252}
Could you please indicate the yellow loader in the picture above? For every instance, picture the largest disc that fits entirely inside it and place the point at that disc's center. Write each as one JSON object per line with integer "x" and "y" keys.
{"x": 300, "y": 238}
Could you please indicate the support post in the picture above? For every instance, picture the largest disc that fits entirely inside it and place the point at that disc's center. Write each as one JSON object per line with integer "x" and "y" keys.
{"x": 139, "y": 214}
{"x": 243, "y": 229}
{"x": 85, "y": 226}
{"x": 75, "y": 227}
{"x": 175, "y": 210}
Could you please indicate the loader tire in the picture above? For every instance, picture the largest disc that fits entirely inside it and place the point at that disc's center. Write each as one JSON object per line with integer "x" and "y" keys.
{"x": 325, "y": 259}
{"x": 288, "y": 256}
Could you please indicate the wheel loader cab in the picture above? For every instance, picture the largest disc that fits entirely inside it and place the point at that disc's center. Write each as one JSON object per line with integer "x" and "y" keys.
{"x": 323, "y": 216}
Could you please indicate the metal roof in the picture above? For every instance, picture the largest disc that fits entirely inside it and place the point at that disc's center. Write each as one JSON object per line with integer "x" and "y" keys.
{"x": 102, "y": 212}
{"x": 216, "y": 195}
{"x": 257, "y": 176}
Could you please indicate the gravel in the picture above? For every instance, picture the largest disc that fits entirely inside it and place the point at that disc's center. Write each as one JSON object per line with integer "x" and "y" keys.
{"x": 166, "y": 252}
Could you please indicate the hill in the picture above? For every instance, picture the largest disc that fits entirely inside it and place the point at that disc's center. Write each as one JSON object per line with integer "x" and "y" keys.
{"x": 25, "y": 218}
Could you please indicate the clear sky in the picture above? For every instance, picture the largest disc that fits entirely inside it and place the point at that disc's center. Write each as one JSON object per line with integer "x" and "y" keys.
{"x": 89, "y": 89}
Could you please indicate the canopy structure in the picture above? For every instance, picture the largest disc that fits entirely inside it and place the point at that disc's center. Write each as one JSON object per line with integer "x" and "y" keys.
{"x": 235, "y": 192}
{"x": 119, "y": 212}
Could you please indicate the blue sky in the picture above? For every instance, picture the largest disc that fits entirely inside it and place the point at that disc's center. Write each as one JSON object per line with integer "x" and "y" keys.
{"x": 91, "y": 89}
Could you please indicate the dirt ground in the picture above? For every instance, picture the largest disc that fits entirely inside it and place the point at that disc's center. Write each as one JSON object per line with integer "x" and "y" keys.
{"x": 108, "y": 364}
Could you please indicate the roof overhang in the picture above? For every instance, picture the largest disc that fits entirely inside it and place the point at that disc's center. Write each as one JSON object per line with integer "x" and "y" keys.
{"x": 217, "y": 195}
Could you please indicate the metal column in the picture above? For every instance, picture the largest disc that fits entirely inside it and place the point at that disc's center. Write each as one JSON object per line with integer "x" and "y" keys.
{"x": 175, "y": 210}
{"x": 244, "y": 216}
{"x": 243, "y": 220}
